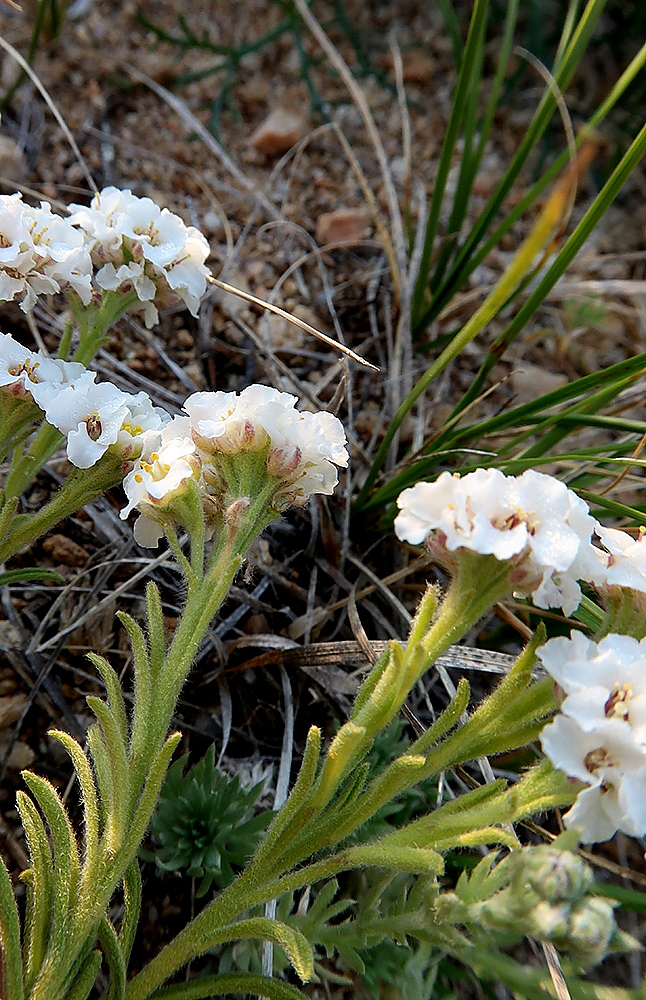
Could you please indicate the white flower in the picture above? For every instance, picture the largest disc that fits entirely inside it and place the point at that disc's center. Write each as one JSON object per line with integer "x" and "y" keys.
{"x": 28, "y": 373}
{"x": 303, "y": 449}
{"x": 623, "y": 564}
{"x": 156, "y": 480}
{"x": 136, "y": 245}
{"x": 600, "y": 735}
{"x": 608, "y": 760}
{"x": 533, "y": 521}
{"x": 141, "y": 432}
{"x": 40, "y": 253}
{"x": 91, "y": 415}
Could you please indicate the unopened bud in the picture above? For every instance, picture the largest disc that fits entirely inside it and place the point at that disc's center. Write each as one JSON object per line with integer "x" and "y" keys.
{"x": 283, "y": 462}
{"x": 556, "y": 875}
{"x": 592, "y": 925}
{"x": 235, "y": 512}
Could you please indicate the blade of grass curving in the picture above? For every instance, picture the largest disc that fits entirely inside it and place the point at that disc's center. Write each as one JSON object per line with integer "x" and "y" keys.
{"x": 467, "y": 262}
{"x": 468, "y": 169}
{"x": 534, "y": 243}
{"x": 465, "y": 186}
{"x": 88, "y": 796}
{"x": 40, "y": 881}
{"x": 10, "y": 939}
{"x": 537, "y": 407}
{"x": 452, "y": 26}
{"x": 562, "y": 73}
{"x": 67, "y": 865}
{"x": 564, "y": 258}
{"x": 551, "y": 431}
{"x": 465, "y": 83}
{"x": 636, "y": 514}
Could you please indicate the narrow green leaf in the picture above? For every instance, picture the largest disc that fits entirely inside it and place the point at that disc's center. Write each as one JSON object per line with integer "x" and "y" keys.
{"x": 140, "y": 741}
{"x": 149, "y": 798}
{"x": 447, "y": 720}
{"x": 131, "y": 908}
{"x": 88, "y": 796}
{"x": 294, "y": 944}
{"x": 10, "y": 938}
{"x": 40, "y": 888}
{"x": 155, "y": 629}
{"x": 103, "y": 772}
{"x": 630, "y": 899}
{"x": 117, "y": 762}
{"x": 298, "y": 795}
{"x": 82, "y": 986}
{"x": 29, "y": 573}
{"x": 67, "y": 865}
{"x": 223, "y": 985}
{"x": 115, "y": 695}
{"x": 114, "y": 958}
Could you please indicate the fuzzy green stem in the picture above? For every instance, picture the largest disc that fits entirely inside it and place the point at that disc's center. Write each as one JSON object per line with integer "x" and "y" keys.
{"x": 83, "y": 486}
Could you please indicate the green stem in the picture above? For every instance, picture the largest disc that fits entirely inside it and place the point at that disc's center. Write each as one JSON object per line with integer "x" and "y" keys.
{"x": 83, "y": 486}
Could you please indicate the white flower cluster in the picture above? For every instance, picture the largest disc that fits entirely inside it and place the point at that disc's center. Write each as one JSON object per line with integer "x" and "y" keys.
{"x": 40, "y": 253}
{"x": 93, "y": 416}
{"x": 235, "y": 446}
{"x": 599, "y": 737}
{"x": 121, "y": 243}
{"x": 288, "y": 454}
{"x": 533, "y": 521}
{"x": 137, "y": 246}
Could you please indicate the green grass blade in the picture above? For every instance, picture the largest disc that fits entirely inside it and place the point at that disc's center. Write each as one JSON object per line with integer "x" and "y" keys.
{"x": 563, "y": 73}
{"x": 464, "y": 84}
{"x": 452, "y": 29}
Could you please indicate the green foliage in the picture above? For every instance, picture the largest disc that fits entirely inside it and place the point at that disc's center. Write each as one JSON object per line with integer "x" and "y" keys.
{"x": 389, "y": 744}
{"x": 203, "y": 824}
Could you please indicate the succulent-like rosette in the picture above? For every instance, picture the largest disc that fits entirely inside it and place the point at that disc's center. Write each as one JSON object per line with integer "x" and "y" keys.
{"x": 600, "y": 736}
{"x": 137, "y": 246}
{"x": 533, "y": 521}
{"x": 40, "y": 254}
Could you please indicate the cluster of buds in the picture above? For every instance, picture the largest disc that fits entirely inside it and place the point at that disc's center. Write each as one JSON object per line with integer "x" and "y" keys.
{"x": 120, "y": 245}
{"x": 548, "y": 899}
